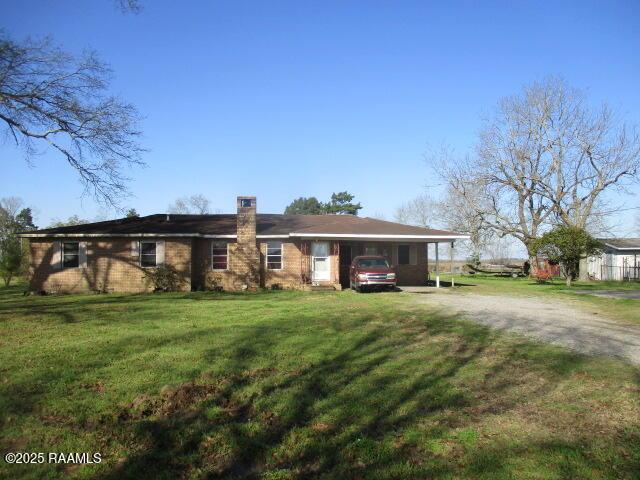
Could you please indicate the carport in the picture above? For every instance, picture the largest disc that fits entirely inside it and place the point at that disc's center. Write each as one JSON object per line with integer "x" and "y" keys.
{"x": 328, "y": 246}
{"x": 408, "y": 255}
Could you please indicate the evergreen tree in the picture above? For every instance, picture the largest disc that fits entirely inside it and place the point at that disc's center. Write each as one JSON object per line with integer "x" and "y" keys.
{"x": 566, "y": 245}
{"x": 11, "y": 257}
{"x": 341, "y": 203}
{"x": 304, "y": 206}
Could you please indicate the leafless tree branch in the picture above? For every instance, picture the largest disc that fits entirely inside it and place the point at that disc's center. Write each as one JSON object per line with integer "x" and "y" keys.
{"x": 49, "y": 97}
{"x": 419, "y": 211}
{"x": 195, "y": 204}
{"x": 544, "y": 157}
{"x": 129, "y": 6}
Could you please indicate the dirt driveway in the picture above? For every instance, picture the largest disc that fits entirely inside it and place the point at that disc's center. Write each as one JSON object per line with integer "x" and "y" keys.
{"x": 630, "y": 294}
{"x": 558, "y": 321}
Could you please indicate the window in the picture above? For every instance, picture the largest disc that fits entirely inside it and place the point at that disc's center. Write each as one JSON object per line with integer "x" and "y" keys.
{"x": 274, "y": 255}
{"x": 246, "y": 202}
{"x": 404, "y": 255}
{"x": 370, "y": 250}
{"x": 70, "y": 254}
{"x": 219, "y": 255}
{"x": 147, "y": 254}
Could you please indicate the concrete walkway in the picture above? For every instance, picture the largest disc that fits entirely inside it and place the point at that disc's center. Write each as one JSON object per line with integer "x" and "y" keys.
{"x": 558, "y": 321}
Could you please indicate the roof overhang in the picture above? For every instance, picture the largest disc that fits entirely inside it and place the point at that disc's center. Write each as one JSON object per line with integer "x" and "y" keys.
{"x": 621, "y": 248}
{"x": 121, "y": 235}
{"x": 326, "y": 236}
{"x": 382, "y": 237}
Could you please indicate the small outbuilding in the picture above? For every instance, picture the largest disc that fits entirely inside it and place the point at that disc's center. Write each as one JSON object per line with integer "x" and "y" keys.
{"x": 619, "y": 261}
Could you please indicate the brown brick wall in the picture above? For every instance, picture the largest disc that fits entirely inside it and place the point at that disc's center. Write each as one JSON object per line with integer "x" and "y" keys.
{"x": 414, "y": 274}
{"x": 294, "y": 273}
{"x": 242, "y": 269}
{"x": 235, "y": 276}
{"x": 294, "y": 266}
{"x": 110, "y": 266}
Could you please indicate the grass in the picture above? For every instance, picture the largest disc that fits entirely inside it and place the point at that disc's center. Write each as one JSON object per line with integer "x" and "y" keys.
{"x": 280, "y": 385}
{"x": 621, "y": 309}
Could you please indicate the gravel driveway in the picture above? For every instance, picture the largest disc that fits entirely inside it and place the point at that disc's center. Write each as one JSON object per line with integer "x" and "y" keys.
{"x": 557, "y": 321}
{"x": 630, "y": 294}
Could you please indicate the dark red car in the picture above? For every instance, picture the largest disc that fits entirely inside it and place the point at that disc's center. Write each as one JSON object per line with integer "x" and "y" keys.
{"x": 371, "y": 272}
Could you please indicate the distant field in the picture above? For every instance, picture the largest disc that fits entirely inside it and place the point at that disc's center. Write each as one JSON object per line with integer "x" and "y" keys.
{"x": 280, "y": 385}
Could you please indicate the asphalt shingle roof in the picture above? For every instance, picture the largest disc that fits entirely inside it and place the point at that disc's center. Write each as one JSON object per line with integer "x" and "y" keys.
{"x": 225, "y": 224}
{"x": 622, "y": 242}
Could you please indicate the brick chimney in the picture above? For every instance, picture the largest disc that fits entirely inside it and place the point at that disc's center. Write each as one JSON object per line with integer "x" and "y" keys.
{"x": 247, "y": 253}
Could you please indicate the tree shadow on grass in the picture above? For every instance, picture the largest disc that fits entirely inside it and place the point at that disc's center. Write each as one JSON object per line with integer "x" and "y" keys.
{"x": 372, "y": 393}
{"x": 348, "y": 414}
{"x": 69, "y": 308}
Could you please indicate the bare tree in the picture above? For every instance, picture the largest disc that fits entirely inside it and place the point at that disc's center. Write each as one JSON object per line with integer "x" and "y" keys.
{"x": 195, "y": 204}
{"x": 379, "y": 216}
{"x": 200, "y": 204}
{"x": 72, "y": 220}
{"x": 458, "y": 211}
{"x": 129, "y": 6}
{"x": 181, "y": 205}
{"x": 9, "y": 208}
{"x": 401, "y": 214}
{"x": 49, "y": 98}
{"x": 544, "y": 157}
{"x": 498, "y": 250}
{"x": 419, "y": 211}
{"x": 11, "y": 205}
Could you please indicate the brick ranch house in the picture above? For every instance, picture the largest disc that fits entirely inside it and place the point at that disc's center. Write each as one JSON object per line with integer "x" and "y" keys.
{"x": 233, "y": 252}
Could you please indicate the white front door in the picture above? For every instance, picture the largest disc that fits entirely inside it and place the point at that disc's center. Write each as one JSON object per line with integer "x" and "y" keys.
{"x": 320, "y": 262}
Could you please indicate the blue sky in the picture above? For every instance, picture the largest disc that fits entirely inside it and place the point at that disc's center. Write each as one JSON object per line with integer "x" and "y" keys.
{"x": 287, "y": 99}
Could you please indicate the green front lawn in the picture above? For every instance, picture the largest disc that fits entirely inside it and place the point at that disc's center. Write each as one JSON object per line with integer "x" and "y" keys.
{"x": 280, "y": 385}
{"x": 621, "y": 309}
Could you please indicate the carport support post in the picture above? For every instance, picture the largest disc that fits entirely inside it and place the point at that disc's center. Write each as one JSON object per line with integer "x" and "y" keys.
{"x": 437, "y": 268}
{"x": 452, "y": 281}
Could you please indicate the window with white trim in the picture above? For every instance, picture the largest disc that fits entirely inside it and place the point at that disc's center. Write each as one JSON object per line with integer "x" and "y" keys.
{"x": 148, "y": 254}
{"x": 274, "y": 255}
{"x": 219, "y": 255}
{"x": 70, "y": 254}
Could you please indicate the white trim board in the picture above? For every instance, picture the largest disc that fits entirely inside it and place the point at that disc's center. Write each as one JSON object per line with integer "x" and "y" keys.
{"x": 364, "y": 236}
{"x": 121, "y": 235}
{"x": 621, "y": 248}
{"x": 345, "y": 236}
